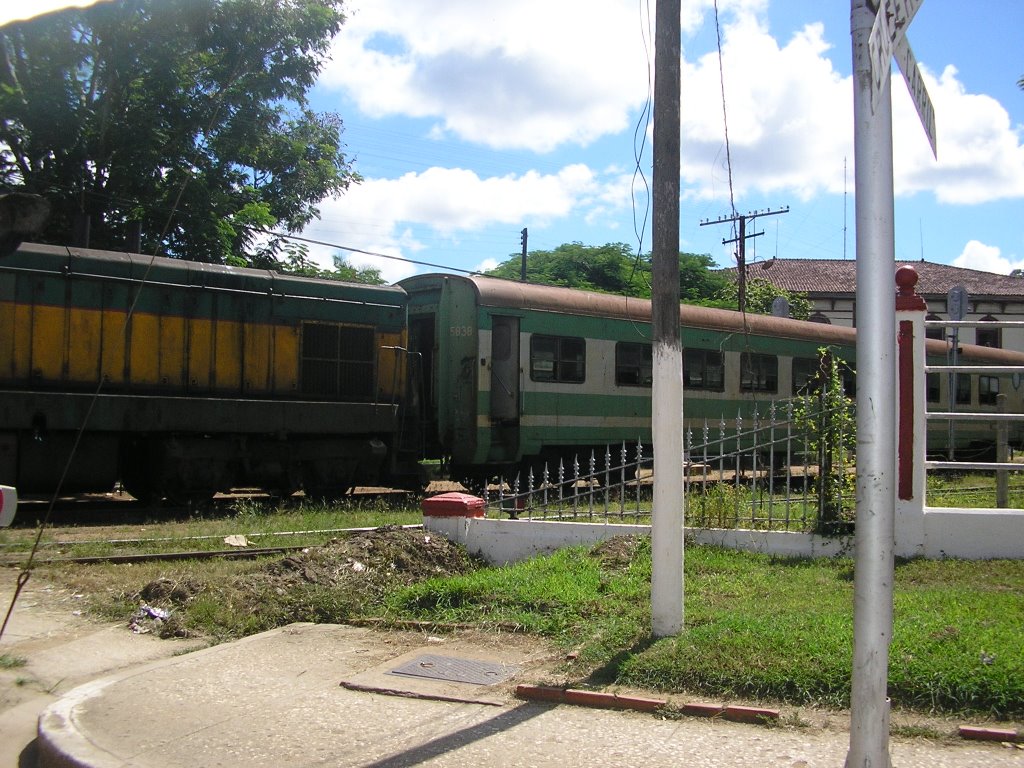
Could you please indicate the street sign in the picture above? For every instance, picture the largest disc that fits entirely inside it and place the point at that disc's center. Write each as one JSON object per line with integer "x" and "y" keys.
{"x": 890, "y": 25}
{"x": 915, "y": 84}
{"x": 956, "y": 302}
{"x": 888, "y": 38}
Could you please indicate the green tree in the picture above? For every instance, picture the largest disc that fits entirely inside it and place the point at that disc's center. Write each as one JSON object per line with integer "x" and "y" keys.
{"x": 612, "y": 268}
{"x": 760, "y": 294}
{"x": 294, "y": 259}
{"x": 605, "y": 268}
{"x": 188, "y": 116}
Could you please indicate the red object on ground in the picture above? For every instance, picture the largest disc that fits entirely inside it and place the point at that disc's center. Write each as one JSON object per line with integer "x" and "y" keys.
{"x": 453, "y": 504}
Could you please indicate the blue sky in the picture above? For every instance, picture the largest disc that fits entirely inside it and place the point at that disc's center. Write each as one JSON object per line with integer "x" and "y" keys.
{"x": 471, "y": 120}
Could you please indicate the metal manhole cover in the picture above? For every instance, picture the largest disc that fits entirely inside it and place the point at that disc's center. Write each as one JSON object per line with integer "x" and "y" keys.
{"x": 456, "y": 670}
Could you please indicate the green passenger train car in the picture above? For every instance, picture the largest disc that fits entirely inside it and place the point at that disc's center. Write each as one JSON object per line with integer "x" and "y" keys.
{"x": 521, "y": 375}
{"x": 189, "y": 378}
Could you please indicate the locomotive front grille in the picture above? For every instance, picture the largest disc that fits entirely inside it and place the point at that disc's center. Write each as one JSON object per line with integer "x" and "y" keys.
{"x": 338, "y": 362}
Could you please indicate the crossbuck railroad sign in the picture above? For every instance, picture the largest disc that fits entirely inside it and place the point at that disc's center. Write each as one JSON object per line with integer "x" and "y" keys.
{"x": 888, "y": 38}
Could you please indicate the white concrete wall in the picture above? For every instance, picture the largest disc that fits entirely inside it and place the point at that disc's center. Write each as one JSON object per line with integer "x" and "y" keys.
{"x": 500, "y": 542}
{"x": 973, "y": 534}
{"x": 969, "y": 534}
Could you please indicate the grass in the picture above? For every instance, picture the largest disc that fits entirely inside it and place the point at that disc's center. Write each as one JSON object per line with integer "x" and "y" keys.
{"x": 8, "y": 661}
{"x": 264, "y": 524}
{"x": 756, "y": 626}
{"x": 760, "y": 627}
{"x": 972, "y": 491}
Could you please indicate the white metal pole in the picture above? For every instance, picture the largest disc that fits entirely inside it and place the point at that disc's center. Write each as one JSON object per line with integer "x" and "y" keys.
{"x": 876, "y": 413}
{"x": 667, "y": 394}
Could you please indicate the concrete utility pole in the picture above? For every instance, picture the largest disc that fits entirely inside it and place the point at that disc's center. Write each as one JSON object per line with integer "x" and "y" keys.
{"x": 741, "y": 252}
{"x": 667, "y": 396}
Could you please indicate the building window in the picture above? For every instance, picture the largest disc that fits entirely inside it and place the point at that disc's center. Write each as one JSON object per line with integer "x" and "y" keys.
{"x": 759, "y": 372}
{"x": 932, "y": 387}
{"x": 988, "y": 390}
{"x": 988, "y": 337}
{"x": 338, "y": 362}
{"x": 936, "y": 332}
{"x": 963, "y": 389}
{"x": 558, "y": 358}
{"x": 633, "y": 365}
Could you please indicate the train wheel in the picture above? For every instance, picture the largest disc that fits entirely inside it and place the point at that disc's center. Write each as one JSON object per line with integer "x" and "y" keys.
{"x": 138, "y": 480}
{"x": 140, "y": 489}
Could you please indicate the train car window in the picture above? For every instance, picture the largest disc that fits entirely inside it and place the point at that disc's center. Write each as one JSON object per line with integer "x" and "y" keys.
{"x": 988, "y": 390}
{"x": 558, "y": 358}
{"x": 759, "y": 372}
{"x": 806, "y": 376}
{"x": 634, "y": 365}
{"x": 501, "y": 342}
{"x": 934, "y": 333}
{"x": 703, "y": 369}
{"x": 963, "y": 389}
{"x": 337, "y": 361}
{"x": 988, "y": 337}
{"x": 849, "y": 379}
{"x": 932, "y": 387}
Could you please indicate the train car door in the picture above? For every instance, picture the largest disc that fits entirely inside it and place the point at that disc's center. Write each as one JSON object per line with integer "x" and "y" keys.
{"x": 504, "y": 369}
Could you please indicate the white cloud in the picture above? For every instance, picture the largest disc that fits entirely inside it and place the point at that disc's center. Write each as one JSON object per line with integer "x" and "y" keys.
{"x": 18, "y": 12}
{"x": 981, "y": 157}
{"x": 789, "y": 114}
{"x": 790, "y": 121}
{"x": 987, "y": 258}
{"x": 530, "y": 74}
{"x": 486, "y": 265}
{"x": 394, "y": 216}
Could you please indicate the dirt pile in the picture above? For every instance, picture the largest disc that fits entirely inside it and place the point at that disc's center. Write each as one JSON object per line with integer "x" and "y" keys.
{"x": 346, "y": 578}
{"x": 391, "y": 555}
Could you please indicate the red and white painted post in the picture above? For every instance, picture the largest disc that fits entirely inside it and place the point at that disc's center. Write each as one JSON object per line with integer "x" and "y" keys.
{"x": 911, "y": 422}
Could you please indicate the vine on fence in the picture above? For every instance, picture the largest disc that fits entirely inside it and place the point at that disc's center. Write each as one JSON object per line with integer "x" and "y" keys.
{"x": 827, "y": 414}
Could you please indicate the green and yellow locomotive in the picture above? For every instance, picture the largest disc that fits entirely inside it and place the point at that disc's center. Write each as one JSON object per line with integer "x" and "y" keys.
{"x": 181, "y": 379}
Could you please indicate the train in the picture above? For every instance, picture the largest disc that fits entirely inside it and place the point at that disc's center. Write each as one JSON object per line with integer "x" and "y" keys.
{"x": 180, "y": 379}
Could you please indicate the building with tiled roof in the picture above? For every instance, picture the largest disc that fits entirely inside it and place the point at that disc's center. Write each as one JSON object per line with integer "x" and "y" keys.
{"x": 831, "y": 287}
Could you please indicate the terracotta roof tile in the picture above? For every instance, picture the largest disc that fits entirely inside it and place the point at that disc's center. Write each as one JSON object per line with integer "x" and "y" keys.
{"x": 839, "y": 276}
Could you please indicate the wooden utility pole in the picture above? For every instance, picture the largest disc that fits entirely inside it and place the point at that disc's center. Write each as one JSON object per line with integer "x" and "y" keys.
{"x": 522, "y": 264}
{"x": 741, "y": 251}
{"x": 667, "y": 396}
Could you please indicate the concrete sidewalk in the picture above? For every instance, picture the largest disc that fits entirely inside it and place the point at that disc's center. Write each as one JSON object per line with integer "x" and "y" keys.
{"x": 328, "y": 695}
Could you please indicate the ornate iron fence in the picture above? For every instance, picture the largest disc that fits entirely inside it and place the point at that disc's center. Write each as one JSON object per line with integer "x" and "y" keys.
{"x": 770, "y": 472}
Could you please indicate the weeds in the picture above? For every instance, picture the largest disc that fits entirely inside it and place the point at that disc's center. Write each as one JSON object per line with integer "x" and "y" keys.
{"x": 8, "y": 661}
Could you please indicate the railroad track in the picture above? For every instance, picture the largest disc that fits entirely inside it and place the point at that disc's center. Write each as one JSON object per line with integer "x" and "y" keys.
{"x": 240, "y": 550}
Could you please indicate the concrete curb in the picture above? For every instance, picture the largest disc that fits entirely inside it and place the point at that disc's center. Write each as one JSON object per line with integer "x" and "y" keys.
{"x": 588, "y": 698}
{"x": 737, "y": 714}
{"x": 63, "y": 744}
{"x": 975, "y": 733}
